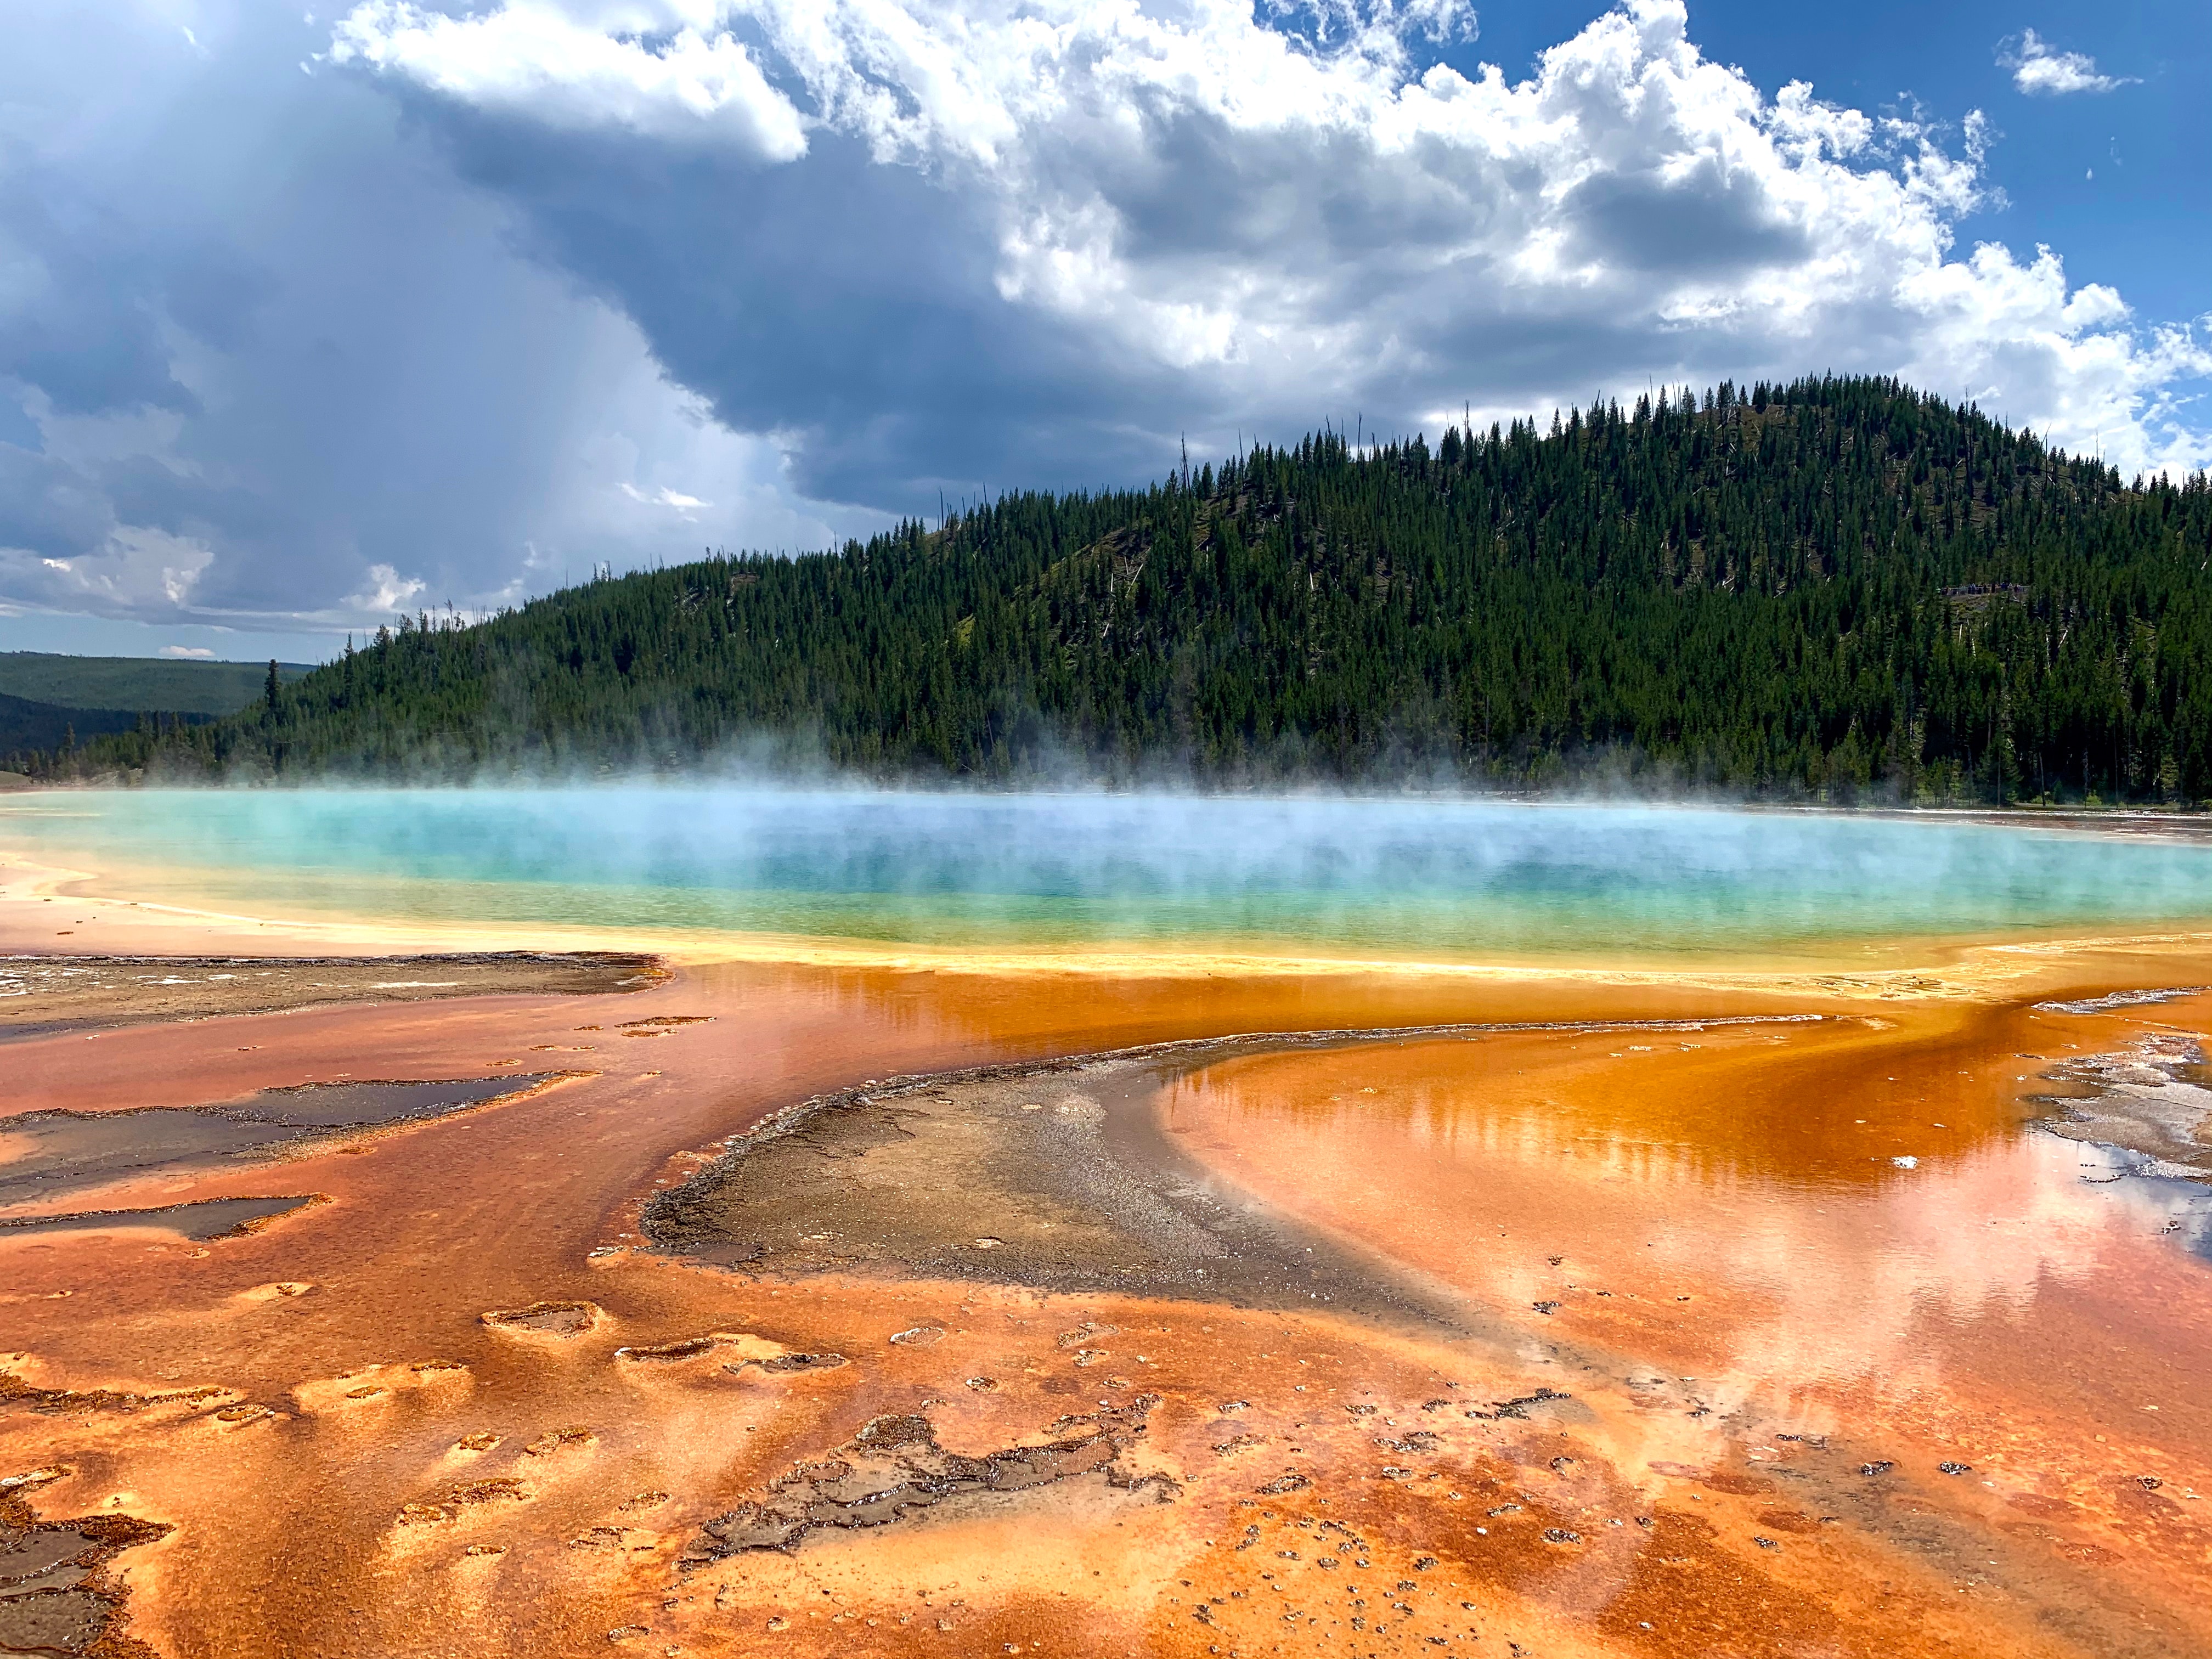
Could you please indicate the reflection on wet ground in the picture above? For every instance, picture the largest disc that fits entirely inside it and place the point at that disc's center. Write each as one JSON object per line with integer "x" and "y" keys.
{"x": 1783, "y": 1338}
{"x": 2179, "y": 1208}
{"x": 1828, "y": 1242}
{"x": 1054, "y": 1174}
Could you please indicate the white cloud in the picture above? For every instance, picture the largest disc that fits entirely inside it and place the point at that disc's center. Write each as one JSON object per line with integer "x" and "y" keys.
{"x": 2042, "y": 70}
{"x": 624, "y": 452}
{"x": 688, "y": 506}
{"x": 385, "y": 591}
{"x": 625, "y": 67}
{"x": 257, "y": 339}
{"x": 506, "y": 289}
{"x": 196, "y": 653}
{"x": 134, "y": 567}
{"x": 1224, "y": 220}
{"x": 2024, "y": 346}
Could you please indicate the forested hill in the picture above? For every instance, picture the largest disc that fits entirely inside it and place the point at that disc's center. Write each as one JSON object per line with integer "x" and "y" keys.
{"x": 1817, "y": 588}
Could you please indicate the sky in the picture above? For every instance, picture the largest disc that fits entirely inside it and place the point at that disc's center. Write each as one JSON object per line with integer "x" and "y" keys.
{"x": 312, "y": 313}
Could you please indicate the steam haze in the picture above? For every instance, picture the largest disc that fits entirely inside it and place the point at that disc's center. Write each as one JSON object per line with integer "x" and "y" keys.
{"x": 1449, "y": 876}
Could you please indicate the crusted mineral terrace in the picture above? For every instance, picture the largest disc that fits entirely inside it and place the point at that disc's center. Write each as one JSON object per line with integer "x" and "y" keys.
{"x": 2149, "y": 1099}
{"x": 894, "y": 1470}
{"x": 57, "y": 1595}
{"x": 1618, "y": 1319}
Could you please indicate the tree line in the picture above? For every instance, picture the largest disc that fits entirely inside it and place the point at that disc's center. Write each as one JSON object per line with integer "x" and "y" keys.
{"x": 1828, "y": 589}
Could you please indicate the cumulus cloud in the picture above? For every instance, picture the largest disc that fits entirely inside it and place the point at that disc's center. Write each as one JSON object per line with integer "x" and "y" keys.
{"x": 490, "y": 294}
{"x": 2042, "y": 70}
{"x": 266, "y": 364}
{"x": 134, "y": 567}
{"x": 664, "y": 496}
{"x": 189, "y": 652}
{"x": 386, "y": 592}
{"x": 681, "y": 84}
{"x": 1081, "y": 226}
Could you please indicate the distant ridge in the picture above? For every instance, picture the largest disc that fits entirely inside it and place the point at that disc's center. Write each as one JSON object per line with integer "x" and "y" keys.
{"x": 1833, "y": 589}
{"x": 176, "y": 686}
{"x": 28, "y": 727}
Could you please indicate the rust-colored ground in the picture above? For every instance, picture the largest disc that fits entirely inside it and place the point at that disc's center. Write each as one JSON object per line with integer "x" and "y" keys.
{"x": 351, "y": 1459}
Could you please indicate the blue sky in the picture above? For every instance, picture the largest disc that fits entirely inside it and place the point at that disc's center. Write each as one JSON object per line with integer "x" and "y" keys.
{"x": 2144, "y": 223}
{"x": 308, "y": 316}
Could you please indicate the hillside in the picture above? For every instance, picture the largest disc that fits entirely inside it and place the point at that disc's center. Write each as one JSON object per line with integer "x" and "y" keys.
{"x": 28, "y": 728}
{"x": 1823, "y": 588}
{"x": 177, "y": 686}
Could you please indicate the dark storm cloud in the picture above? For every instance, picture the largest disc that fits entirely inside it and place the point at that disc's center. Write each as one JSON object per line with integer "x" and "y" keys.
{"x": 266, "y": 357}
{"x": 1045, "y": 256}
{"x": 848, "y": 303}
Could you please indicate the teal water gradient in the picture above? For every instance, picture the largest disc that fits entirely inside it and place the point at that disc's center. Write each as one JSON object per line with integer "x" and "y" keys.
{"x": 1458, "y": 877}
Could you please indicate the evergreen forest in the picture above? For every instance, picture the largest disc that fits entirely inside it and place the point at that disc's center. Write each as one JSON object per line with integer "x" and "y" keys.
{"x": 1838, "y": 589}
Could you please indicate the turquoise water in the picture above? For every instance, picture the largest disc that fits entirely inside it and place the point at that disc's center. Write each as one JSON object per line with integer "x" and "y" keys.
{"x": 1465, "y": 878}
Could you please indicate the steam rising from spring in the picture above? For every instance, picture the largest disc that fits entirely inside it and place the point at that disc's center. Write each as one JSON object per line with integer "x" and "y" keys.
{"x": 1456, "y": 876}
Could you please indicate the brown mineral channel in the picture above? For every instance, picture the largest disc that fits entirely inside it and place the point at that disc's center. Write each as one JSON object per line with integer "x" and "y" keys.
{"x": 462, "y": 1407}
{"x": 44, "y": 992}
{"x": 46, "y": 1158}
